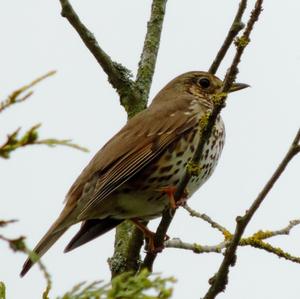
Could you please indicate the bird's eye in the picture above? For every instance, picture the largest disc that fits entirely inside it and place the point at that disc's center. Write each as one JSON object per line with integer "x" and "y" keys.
{"x": 204, "y": 82}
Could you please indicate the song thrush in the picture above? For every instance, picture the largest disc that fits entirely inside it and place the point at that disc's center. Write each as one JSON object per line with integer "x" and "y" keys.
{"x": 126, "y": 177}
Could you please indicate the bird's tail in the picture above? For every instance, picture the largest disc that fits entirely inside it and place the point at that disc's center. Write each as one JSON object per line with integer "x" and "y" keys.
{"x": 52, "y": 235}
{"x": 91, "y": 229}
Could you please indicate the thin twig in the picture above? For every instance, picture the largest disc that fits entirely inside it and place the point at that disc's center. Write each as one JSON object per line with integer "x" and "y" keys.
{"x": 3, "y": 223}
{"x": 262, "y": 235}
{"x": 207, "y": 219}
{"x": 235, "y": 28}
{"x": 18, "y": 245}
{"x": 255, "y": 240}
{"x": 220, "y": 279}
{"x": 196, "y": 248}
{"x": 30, "y": 137}
{"x": 15, "y": 98}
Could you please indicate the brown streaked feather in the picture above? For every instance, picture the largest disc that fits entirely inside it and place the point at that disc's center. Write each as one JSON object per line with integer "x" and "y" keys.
{"x": 133, "y": 146}
{"x": 116, "y": 162}
{"x": 131, "y": 164}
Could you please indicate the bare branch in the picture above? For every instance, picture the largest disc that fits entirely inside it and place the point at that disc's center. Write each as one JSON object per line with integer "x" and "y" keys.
{"x": 255, "y": 240}
{"x": 3, "y": 223}
{"x": 220, "y": 278}
{"x": 118, "y": 75}
{"x": 16, "y": 97}
{"x": 207, "y": 219}
{"x": 235, "y": 28}
{"x": 29, "y": 138}
{"x": 196, "y": 248}
{"x": 150, "y": 49}
{"x": 18, "y": 245}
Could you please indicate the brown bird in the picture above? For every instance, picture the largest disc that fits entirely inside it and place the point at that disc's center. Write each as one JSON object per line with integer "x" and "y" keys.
{"x": 128, "y": 177}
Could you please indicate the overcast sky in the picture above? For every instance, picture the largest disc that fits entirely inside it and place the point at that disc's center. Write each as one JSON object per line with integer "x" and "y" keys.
{"x": 79, "y": 103}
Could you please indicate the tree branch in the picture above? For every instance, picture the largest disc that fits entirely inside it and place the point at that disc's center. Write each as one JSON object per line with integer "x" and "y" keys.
{"x": 255, "y": 240}
{"x": 219, "y": 280}
{"x": 196, "y": 248}
{"x": 15, "y": 98}
{"x": 225, "y": 232}
{"x": 235, "y": 28}
{"x": 29, "y": 138}
{"x": 118, "y": 75}
{"x": 18, "y": 245}
{"x": 150, "y": 50}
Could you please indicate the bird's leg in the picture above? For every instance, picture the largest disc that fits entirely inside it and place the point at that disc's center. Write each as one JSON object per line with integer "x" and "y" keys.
{"x": 183, "y": 199}
{"x": 149, "y": 235}
{"x": 170, "y": 191}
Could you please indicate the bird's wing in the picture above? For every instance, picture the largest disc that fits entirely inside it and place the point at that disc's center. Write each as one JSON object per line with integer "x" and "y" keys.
{"x": 128, "y": 166}
{"x": 120, "y": 159}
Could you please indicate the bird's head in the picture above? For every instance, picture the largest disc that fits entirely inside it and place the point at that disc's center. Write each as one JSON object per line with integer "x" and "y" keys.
{"x": 204, "y": 83}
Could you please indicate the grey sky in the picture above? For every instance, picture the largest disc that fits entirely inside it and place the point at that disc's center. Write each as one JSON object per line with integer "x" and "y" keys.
{"x": 78, "y": 103}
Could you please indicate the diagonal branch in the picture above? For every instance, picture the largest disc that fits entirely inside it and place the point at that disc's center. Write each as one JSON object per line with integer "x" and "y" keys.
{"x": 31, "y": 137}
{"x": 220, "y": 278}
{"x": 225, "y": 232}
{"x": 18, "y": 95}
{"x": 118, "y": 75}
{"x": 235, "y": 28}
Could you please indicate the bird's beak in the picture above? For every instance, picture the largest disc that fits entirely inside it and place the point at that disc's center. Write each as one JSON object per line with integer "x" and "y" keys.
{"x": 238, "y": 86}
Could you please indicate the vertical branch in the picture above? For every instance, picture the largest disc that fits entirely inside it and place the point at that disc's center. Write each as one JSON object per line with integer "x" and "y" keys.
{"x": 220, "y": 279}
{"x": 118, "y": 75}
{"x": 150, "y": 50}
{"x": 129, "y": 239}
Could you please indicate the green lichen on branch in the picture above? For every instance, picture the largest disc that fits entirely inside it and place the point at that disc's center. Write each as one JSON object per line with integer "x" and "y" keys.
{"x": 2, "y": 290}
{"x": 219, "y": 99}
{"x": 241, "y": 42}
{"x": 125, "y": 286}
{"x": 31, "y": 137}
{"x": 256, "y": 243}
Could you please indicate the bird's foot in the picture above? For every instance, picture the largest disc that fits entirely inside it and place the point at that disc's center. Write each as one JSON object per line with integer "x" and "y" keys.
{"x": 149, "y": 235}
